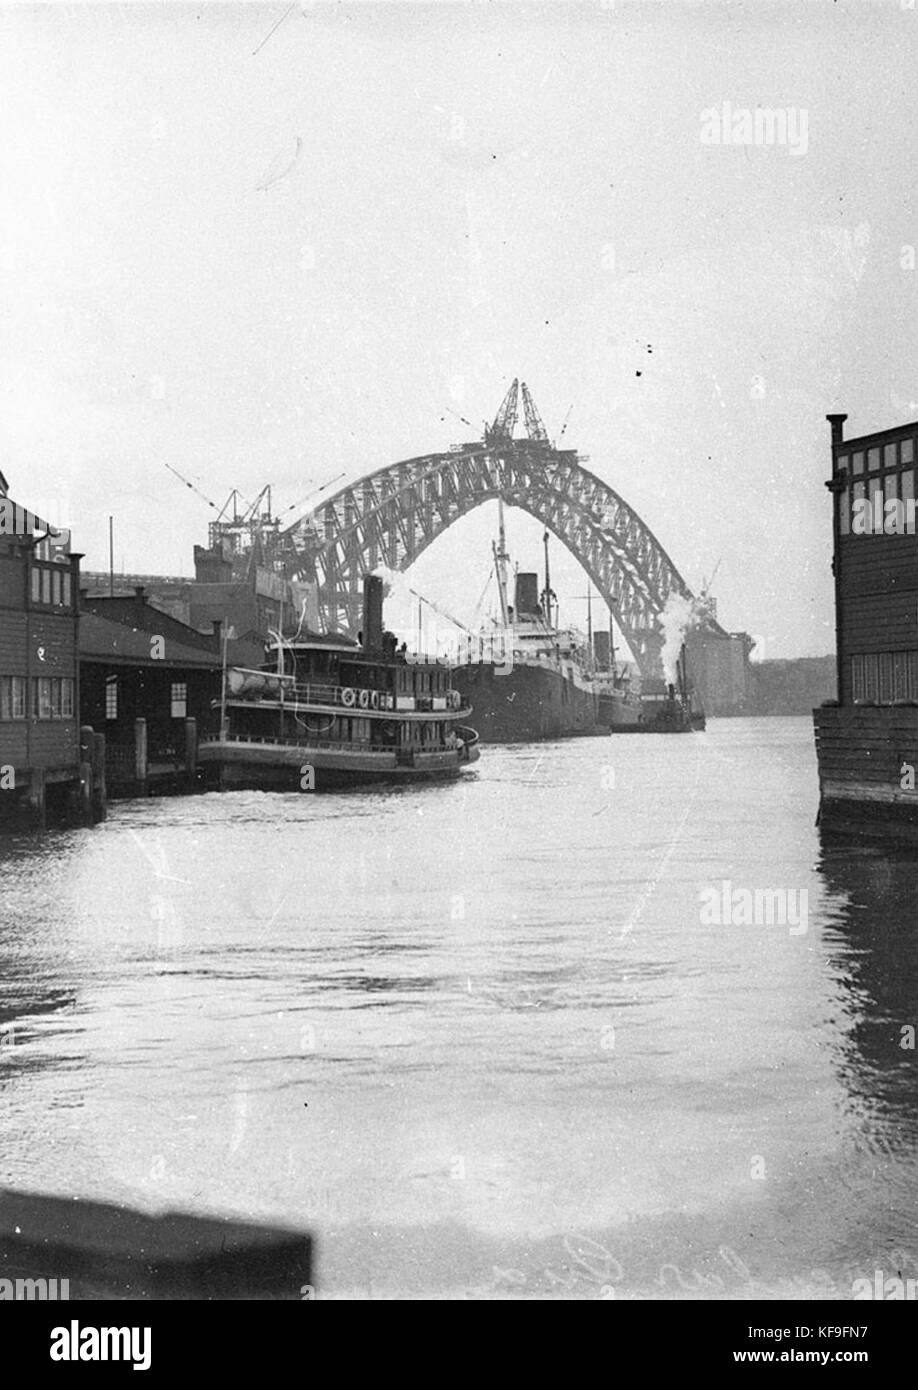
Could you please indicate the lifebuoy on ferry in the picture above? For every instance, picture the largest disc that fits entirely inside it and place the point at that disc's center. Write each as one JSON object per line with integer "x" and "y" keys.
{"x": 348, "y": 696}
{"x": 374, "y": 699}
{"x": 364, "y": 699}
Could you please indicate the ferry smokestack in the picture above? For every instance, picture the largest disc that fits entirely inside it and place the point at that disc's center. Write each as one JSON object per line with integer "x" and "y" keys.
{"x": 372, "y": 613}
{"x": 527, "y": 595}
{"x": 602, "y": 650}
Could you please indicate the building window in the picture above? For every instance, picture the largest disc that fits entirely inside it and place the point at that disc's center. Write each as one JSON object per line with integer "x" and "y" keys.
{"x": 873, "y": 459}
{"x": 876, "y": 498}
{"x": 906, "y": 451}
{"x": 43, "y": 697}
{"x": 900, "y": 675}
{"x": 881, "y": 677}
{"x": 111, "y": 697}
{"x": 179, "y": 699}
{"x": 53, "y": 697}
{"x": 51, "y": 585}
{"x": 889, "y": 456}
{"x": 857, "y": 463}
{"x": 12, "y": 697}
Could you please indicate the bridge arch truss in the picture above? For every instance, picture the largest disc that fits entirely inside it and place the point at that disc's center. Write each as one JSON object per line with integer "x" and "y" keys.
{"x": 390, "y": 517}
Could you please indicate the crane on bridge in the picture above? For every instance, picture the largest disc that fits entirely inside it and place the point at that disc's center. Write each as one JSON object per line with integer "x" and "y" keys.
{"x": 535, "y": 430}
{"x": 564, "y": 424}
{"x": 501, "y": 432}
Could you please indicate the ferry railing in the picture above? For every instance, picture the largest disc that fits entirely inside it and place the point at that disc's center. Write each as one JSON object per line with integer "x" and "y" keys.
{"x": 354, "y": 745}
{"x": 308, "y": 694}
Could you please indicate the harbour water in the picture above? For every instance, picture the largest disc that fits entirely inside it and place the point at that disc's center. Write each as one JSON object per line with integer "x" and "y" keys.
{"x": 483, "y": 1039}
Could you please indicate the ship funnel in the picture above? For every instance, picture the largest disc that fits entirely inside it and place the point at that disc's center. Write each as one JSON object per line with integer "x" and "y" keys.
{"x": 527, "y": 595}
{"x": 372, "y": 613}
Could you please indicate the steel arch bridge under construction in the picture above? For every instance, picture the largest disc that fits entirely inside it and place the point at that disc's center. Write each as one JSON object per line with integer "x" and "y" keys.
{"x": 392, "y": 515}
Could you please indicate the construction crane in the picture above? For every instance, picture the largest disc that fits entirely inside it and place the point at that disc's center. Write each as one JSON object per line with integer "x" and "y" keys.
{"x": 250, "y": 513}
{"x": 194, "y": 489}
{"x": 501, "y": 432}
{"x": 706, "y": 583}
{"x": 295, "y": 506}
{"x": 534, "y": 428}
{"x": 449, "y": 410}
{"x": 709, "y": 604}
{"x": 234, "y": 496}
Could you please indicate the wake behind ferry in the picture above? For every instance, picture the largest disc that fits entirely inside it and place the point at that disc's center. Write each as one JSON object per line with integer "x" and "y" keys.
{"x": 326, "y": 711}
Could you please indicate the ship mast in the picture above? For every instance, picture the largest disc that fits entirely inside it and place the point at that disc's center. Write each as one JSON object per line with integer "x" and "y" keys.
{"x": 547, "y": 582}
{"x": 500, "y": 564}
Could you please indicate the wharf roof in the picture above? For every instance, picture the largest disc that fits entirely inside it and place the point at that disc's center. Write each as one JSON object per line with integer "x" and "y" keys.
{"x": 101, "y": 639}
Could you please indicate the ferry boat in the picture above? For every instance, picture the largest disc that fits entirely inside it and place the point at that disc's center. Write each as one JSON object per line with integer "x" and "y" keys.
{"x": 326, "y": 711}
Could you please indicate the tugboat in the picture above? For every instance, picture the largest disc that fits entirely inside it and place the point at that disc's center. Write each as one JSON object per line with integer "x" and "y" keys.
{"x": 326, "y": 711}
{"x": 674, "y": 708}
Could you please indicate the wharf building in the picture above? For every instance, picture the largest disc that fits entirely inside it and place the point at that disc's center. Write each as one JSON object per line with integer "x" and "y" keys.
{"x": 45, "y": 766}
{"x": 867, "y": 738}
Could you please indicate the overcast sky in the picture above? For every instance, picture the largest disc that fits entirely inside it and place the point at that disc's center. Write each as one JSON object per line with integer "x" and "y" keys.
{"x": 271, "y": 266}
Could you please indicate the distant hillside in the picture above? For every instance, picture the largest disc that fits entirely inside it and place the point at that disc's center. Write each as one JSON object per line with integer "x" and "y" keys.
{"x": 790, "y": 687}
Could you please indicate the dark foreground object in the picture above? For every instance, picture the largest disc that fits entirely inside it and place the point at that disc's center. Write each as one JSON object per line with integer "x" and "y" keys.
{"x": 109, "y": 1252}
{"x": 867, "y": 756}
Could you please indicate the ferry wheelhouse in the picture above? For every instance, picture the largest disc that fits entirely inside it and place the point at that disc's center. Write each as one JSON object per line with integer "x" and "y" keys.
{"x": 327, "y": 711}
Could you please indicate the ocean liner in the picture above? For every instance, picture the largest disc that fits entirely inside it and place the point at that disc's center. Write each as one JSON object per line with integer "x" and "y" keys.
{"x": 527, "y": 678}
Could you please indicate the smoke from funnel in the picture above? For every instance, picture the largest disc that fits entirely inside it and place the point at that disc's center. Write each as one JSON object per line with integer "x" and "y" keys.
{"x": 675, "y": 620}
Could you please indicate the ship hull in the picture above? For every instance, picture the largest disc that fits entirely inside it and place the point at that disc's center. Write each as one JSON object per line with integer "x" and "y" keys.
{"x": 620, "y": 713}
{"x": 526, "y": 703}
{"x": 263, "y": 765}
